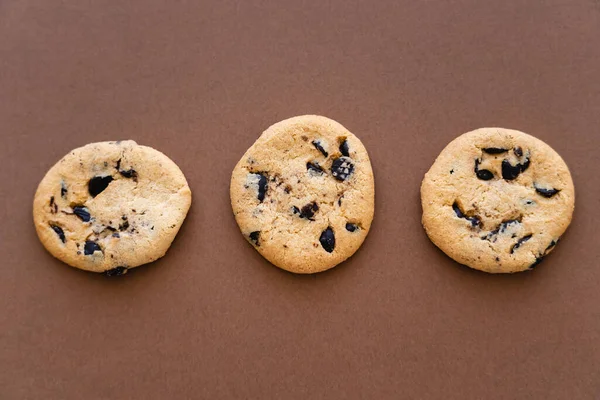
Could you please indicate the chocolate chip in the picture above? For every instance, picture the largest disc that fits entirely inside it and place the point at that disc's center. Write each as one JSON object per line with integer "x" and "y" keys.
{"x": 116, "y": 235}
{"x": 351, "y": 227}
{"x": 317, "y": 144}
{"x": 116, "y": 271}
{"x": 124, "y": 226}
{"x": 494, "y": 150}
{"x": 90, "y": 247}
{"x": 505, "y": 224}
{"x": 458, "y": 211}
{"x": 344, "y": 148}
{"x": 551, "y": 245}
{"x": 262, "y": 187}
{"x": 519, "y": 243}
{"x": 53, "y": 206}
{"x": 538, "y": 260}
{"x": 518, "y": 152}
{"x": 525, "y": 165}
{"x": 59, "y": 232}
{"x": 82, "y": 212}
{"x": 546, "y": 192}
{"x": 327, "y": 240}
{"x": 130, "y": 173}
{"x": 63, "y": 190}
{"x": 314, "y": 167}
{"x": 474, "y": 220}
{"x": 254, "y": 237}
{"x": 287, "y": 189}
{"x": 482, "y": 174}
{"x": 342, "y": 168}
{"x": 501, "y": 228}
{"x": 308, "y": 211}
{"x": 97, "y": 184}
{"x": 510, "y": 172}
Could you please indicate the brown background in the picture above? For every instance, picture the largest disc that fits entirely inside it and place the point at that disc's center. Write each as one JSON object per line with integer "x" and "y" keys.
{"x": 200, "y": 81}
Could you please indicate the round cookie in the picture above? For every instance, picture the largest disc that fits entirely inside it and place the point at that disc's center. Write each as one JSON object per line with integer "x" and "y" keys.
{"x": 111, "y": 206}
{"x": 497, "y": 200}
{"x": 303, "y": 195}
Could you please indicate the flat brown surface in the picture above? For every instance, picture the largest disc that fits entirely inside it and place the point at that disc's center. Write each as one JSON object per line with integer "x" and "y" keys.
{"x": 200, "y": 81}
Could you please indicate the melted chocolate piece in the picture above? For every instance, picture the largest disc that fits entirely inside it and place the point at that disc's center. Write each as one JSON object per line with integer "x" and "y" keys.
{"x": 59, "y": 232}
{"x": 327, "y": 240}
{"x": 318, "y": 146}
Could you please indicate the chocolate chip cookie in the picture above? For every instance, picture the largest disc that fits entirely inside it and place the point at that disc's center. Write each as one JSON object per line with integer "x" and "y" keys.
{"x": 303, "y": 194}
{"x": 111, "y": 206}
{"x": 497, "y": 200}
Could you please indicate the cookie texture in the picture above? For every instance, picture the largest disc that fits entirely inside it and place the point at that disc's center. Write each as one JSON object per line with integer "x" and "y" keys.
{"x": 497, "y": 200}
{"x": 111, "y": 206}
{"x": 303, "y": 194}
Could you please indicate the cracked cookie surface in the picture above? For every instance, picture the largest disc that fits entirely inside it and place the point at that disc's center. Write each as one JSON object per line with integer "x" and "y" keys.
{"x": 111, "y": 206}
{"x": 303, "y": 194}
{"x": 497, "y": 200}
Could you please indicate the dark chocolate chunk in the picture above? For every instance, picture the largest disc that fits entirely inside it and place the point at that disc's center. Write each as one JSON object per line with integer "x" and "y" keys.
{"x": 317, "y": 144}
{"x": 344, "y": 148}
{"x": 254, "y": 237}
{"x": 314, "y": 167}
{"x": 90, "y": 247}
{"x": 308, "y": 211}
{"x": 351, "y": 227}
{"x": 53, "y": 206}
{"x": 501, "y": 228}
{"x": 98, "y": 183}
{"x": 518, "y": 152}
{"x": 327, "y": 240}
{"x": 130, "y": 173}
{"x": 262, "y": 187}
{"x": 82, "y": 212}
{"x": 116, "y": 271}
{"x": 546, "y": 192}
{"x": 525, "y": 165}
{"x": 116, "y": 235}
{"x": 474, "y": 220}
{"x": 519, "y": 243}
{"x": 457, "y": 210}
{"x": 63, "y": 190}
{"x": 342, "y": 168}
{"x": 538, "y": 260}
{"x": 482, "y": 174}
{"x": 494, "y": 150}
{"x": 59, "y": 232}
{"x": 510, "y": 172}
{"x": 124, "y": 226}
{"x": 551, "y": 245}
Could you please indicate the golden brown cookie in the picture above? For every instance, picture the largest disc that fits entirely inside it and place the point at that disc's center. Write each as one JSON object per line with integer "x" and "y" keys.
{"x": 304, "y": 193}
{"x": 111, "y": 206}
{"x": 497, "y": 200}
